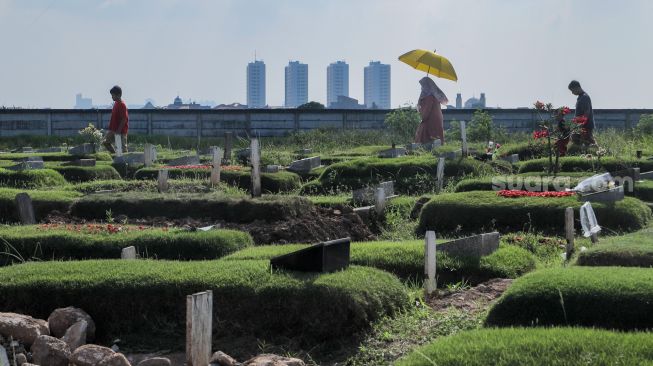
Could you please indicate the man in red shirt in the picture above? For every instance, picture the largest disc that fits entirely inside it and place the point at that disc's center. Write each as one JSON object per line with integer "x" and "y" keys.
{"x": 119, "y": 121}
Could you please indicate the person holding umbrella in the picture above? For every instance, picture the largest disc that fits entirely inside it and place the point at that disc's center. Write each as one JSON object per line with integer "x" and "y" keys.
{"x": 432, "y": 125}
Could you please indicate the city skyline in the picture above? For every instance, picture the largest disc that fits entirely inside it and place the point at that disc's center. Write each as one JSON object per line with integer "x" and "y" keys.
{"x": 526, "y": 51}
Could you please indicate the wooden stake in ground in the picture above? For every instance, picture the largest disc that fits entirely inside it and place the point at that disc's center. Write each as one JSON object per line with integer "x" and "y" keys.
{"x": 118, "y": 141}
{"x": 199, "y": 323}
{"x": 463, "y": 136}
{"x": 25, "y": 209}
{"x": 128, "y": 253}
{"x": 429, "y": 262}
{"x": 162, "y": 183}
{"x": 149, "y": 155}
{"x": 228, "y": 145}
{"x": 215, "y": 169}
{"x": 379, "y": 201}
{"x": 569, "y": 231}
{"x": 440, "y": 174}
{"x": 255, "y": 159}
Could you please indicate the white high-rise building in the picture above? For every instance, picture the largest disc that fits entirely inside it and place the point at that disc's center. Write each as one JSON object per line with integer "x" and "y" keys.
{"x": 296, "y": 84}
{"x": 337, "y": 81}
{"x": 377, "y": 85}
{"x": 256, "y": 84}
{"x": 83, "y": 103}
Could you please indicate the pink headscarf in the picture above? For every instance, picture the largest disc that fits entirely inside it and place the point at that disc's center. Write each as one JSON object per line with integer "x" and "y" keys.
{"x": 429, "y": 88}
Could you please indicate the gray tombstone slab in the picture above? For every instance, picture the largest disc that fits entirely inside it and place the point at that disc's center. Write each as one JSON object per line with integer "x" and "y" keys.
{"x": 646, "y": 175}
{"x": 31, "y": 158}
{"x": 305, "y": 165}
{"x": 128, "y": 253}
{"x": 83, "y": 149}
{"x": 149, "y": 155}
{"x": 50, "y": 150}
{"x": 199, "y": 325}
{"x": 162, "y": 181}
{"x": 610, "y": 195}
{"x": 25, "y": 209}
{"x": 392, "y": 153}
{"x": 512, "y": 159}
{"x": 27, "y": 149}
{"x": 26, "y": 165}
{"x": 304, "y": 152}
{"x": 453, "y": 154}
{"x": 185, "y": 160}
{"x": 133, "y": 158}
{"x": 271, "y": 169}
{"x": 83, "y": 162}
{"x": 474, "y": 246}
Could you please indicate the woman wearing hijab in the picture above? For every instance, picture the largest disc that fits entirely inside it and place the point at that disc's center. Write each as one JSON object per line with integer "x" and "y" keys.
{"x": 428, "y": 106}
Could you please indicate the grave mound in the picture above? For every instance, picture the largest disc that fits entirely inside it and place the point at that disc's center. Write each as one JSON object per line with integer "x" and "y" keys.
{"x": 44, "y": 202}
{"x": 571, "y": 296}
{"x": 576, "y": 163}
{"x": 31, "y": 179}
{"x": 632, "y": 250}
{"x": 85, "y": 173}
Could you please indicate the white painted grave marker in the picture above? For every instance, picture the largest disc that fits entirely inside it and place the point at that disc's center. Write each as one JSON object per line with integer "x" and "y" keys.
{"x": 25, "y": 209}
{"x": 149, "y": 154}
{"x": 162, "y": 182}
{"x": 118, "y": 140}
{"x": 569, "y": 231}
{"x": 440, "y": 174}
{"x": 215, "y": 169}
{"x": 463, "y": 136}
{"x": 199, "y": 323}
{"x": 255, "y": 159}
{"x": 379, "y": 200}
{"x": 128, "y": 253}
{"x": 429, "y": 261}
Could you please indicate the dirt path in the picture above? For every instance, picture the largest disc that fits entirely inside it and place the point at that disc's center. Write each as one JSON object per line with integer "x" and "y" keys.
{"x": 473, "y": 299}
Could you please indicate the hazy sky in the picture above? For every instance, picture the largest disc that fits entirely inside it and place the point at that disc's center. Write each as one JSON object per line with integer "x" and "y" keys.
{"x": 516, "y": 51}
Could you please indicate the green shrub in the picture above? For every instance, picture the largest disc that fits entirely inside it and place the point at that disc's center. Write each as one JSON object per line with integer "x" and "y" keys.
{"x": 86, "y": 173}
{"x": 406, "y": 260}
{"x": 402, "y": 123}
{"x": 44, "y": 202}
{"x": 476, "y": 211}
{"x": 59, "y": 242}
{"x": 604, "y": 297}
{"x": 632, "y": 250}
{"x": 30, "y": 179}
{"x": 571, "y": 164}
{"x": 643, "y": 190}
{"x": 181, "y": 205}
{"x": 144, "y": 298}
{"x": 270, "y": 182}
{"x": 645, "y": 125}
{"x": 534, "y": 347}
{"x": 411, "y": 174}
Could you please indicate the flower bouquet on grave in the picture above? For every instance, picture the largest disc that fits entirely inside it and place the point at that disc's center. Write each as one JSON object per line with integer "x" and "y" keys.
{"x": 492, "y": 150}
{"x": 556, "y": 127}
{"x": 91, "y": 135}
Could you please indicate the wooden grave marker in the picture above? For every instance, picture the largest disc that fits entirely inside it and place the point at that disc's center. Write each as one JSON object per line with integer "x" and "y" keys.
{"x": 569, "y": 231}
{"x": 440, "y": 174}
{"x": 162, "y": 181}
{"x": 215, "y": 168}
{"x": 199, "y": 324}
{"x": 255, "y": 159}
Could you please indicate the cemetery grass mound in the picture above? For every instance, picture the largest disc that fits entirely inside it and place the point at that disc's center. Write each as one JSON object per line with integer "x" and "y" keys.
{"x": 411, "y": 174}
{"x": 144, "y": 300}
{"x": 632, "y": 250}
{"x": 175, "y": 185}
{"x": 531, "y": 183}
{"x": 62, "y": 156}
{"x": 44, "y": 202}
{"x": 85, "y": 173}
{"x": 406, "y": 260}
{"x": 69, "y": 242}
{"x": 282, "y": 181}
{"x": 469, "y": 212}
{"x": 603, "y": 297}
{"x": 643, "y": 190}
{"x": 31, "y": 179}
{"x": 534, "y": 347}
{"x": 574, "y": 163}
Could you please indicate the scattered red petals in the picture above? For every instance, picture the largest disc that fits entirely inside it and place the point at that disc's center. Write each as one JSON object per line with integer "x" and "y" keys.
{"x": 515, "y": 193}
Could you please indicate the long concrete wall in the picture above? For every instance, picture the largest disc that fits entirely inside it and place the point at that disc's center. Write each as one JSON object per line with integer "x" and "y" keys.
{"x": 262, "y": 122}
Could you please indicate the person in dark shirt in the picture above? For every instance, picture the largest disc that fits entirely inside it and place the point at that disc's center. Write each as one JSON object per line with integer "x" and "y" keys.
{"x": 119, "y": 123}
{"x": 583, "y": 111}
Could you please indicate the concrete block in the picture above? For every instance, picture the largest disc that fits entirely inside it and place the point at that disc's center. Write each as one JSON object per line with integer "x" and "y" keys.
{"x": 610, "y": 195}
{"x": 132, "y": 159}
{"x": 184, "y": 160}
{"x": 305, "y": 165}
{"x": 83, "y": 149}
{"x": 474, "y": 246}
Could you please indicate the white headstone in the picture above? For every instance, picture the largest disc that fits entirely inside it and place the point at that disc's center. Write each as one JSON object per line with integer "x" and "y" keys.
{"x": 588, "y": 220}
{"x": 255, "y": 159}
{"x": 162, "y": 182}
{"x": 463, "y": 136}
{"x": 150, "y": 154}
{"x": 118, "y": 140}
{"x": 128, "y": 253}
{"x": 379, "y": 200}
{"x": 429, "y": 261}
{"x": 215, "y": 168}
{"x": 199, "y": 323}
{"x": 440, "y": 174}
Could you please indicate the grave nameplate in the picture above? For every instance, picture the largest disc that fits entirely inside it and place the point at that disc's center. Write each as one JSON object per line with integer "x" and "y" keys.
{"x": 199, "y": 327}
{"x": 133, "y": 158}
{"x": 162, "y": 181}
{"x": 610, "y": 195}
{"x": 215, "y": 167}
{"x": 474, "y": 246}
{"x": 392, "y": 153}
{"x": 328, "y": 256}
{"x": 271, "y": 169}
{"x": 453, "y": 154}
{"x": 512, "y": 159}
{"x": 305, "y": 165}
{"x": 83, "y": 149}
{"x": 50, "y": 150}
{"x": 149, "y": 155}
{"x": 128, "y": 253}
{"x": 185, "y": 160}
{"x": 25, "y": 209}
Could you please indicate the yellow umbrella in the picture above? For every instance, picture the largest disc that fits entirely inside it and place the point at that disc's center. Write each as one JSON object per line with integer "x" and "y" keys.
{"x": 431, "y": 63}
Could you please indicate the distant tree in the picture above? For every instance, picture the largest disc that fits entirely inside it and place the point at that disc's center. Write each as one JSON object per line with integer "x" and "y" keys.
{"x": 645, "y": 125}
{"x": 402, "y": 123}
{"x": 311, "y": 105}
